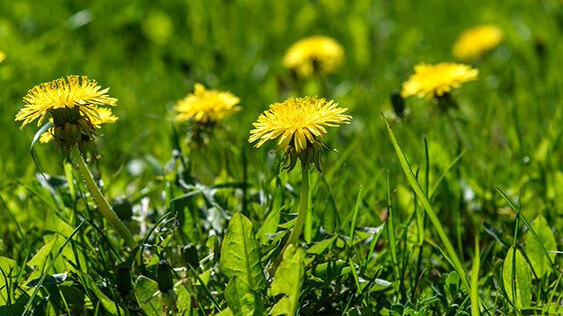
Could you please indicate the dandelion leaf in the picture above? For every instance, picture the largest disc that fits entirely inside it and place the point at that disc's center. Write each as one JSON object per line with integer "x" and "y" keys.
{"x": 240, "y": 255}
{"x": 241, "y": 299}
{"x": 146, "y": 293}
{"x": 536, "y": 253}
{"x": 288, "y": 281}
{"x": 517, "y": 279}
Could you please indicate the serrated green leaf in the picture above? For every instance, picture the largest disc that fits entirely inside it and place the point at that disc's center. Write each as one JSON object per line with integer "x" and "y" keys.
{"x": 226, "y": 312}
{"x": 321, "y": 246}
{"x": 7, "y": 265}
{"x": 241, "y": 299}
{"x": 536, "y": 253}
{"x": 288, "y": 281}
{"x": 270, "y": 225}
{"x": 184, "y": 301}
{"x": 109, "y": 305}
{"x": 40, "y": 258}
{"x": 516, "y": 278}
{"x": 145, "y": 290}
{"x": 240, "y": 255}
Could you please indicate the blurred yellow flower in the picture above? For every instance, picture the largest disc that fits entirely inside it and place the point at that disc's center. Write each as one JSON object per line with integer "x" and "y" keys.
{"x": 315, "y": 54}
{"x": 72, "y": 92}
{"x": 476, "y": 41}
{"x": 105, "y": 116}
{"x": 298, "y": 122}
{"x": 206, "y": 106}
{"x": 2, "y": 56}
{"x": 435, "y": 80}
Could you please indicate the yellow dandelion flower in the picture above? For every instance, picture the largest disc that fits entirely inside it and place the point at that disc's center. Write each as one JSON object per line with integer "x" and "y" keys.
{"x": 64, "y": 93}
{"x": 2, "y": 56}
{"x": 315, "y": 54}
{"x": 476, "y": 41}
{"x": 105, "y": 116}
{"x": 298, "y": 122}
{"x": 206, "y": 106}
{"x": 436, "y": 80}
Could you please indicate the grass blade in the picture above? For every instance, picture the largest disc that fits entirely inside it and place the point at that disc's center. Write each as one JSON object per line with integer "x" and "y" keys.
{"x": 449, "y": 249}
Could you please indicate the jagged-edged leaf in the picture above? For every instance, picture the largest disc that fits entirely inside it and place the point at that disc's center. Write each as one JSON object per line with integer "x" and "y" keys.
{"x": 184, "y": 300}
{"x": 109, "y": 305}
{"x": 146, "y": 293}
{"x": 321, "y": 246}
{"x": 516, "y": 278}
{"x": 7, "y": 265}
{"x": 270, "y": 225}
{"x": 288, "y": 281}
{"x": 241, "y": 299}
{"x": 40, "y": 258}
{"x": 240, "y": 255}
{"x": 50, "y": 279}
{"x": 537, "y": 253}
{"x": 226, "y": 312}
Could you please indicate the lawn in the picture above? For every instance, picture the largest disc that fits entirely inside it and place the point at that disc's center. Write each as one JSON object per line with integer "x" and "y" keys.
{"x": 448, "y": 204}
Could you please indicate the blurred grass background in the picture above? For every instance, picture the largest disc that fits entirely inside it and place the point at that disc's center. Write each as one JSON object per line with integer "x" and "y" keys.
{"x": 151, "y": 53}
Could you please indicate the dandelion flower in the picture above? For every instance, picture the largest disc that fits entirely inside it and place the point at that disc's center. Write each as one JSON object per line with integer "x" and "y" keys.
{"x": 74, "y": 107}
{"x": 206, "y": 106}
{"x": 476, "y": 41}
{"x": 315, "y": 54}
{"x": 298, "y": 124}
{"x": 2, "y": 56}
{"x": 105, "y": 116}
{"x": 64, "y": 93}
{"x": 436, "y": 80}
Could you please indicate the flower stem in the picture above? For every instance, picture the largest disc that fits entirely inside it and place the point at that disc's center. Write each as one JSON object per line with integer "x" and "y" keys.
{"x": 103, "y": 206}
{"x": 301, "y": 216}
{"x": 303, "y": 207}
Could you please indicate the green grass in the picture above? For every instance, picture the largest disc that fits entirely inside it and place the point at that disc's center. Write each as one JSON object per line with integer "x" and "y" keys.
{"x": 376, "y": 241}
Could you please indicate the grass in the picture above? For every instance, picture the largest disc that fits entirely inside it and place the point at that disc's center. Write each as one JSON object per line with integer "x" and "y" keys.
{"x": 410, "y": 218}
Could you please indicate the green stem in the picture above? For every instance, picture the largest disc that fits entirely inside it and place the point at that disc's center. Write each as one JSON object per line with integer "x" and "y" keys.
{"x": 303, "y": 207}
{"x": 103, "y": 206}
{"x": 301, "y": 216}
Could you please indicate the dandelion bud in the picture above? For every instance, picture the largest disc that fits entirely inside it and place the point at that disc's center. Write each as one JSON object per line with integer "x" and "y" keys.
{"x": 164, "y": 276}
{"x": 123, "y": 280}
{"x": 398, "y": 104}
{"x": 122, "y": 208}
{"x": 191, "y": 257}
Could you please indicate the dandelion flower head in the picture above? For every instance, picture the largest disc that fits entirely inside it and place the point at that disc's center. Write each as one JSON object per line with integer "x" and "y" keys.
{"x": 2, "y": 56}
{"x": 73, "y": 104}
{"x": 476, "y": 41}
{"x": 72, "y": 92}
{"x": 315, "y": 54}
{"x": 435, "y": 80}
{"x": 297, "y": 122}
{"x": 206, "y": 106}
